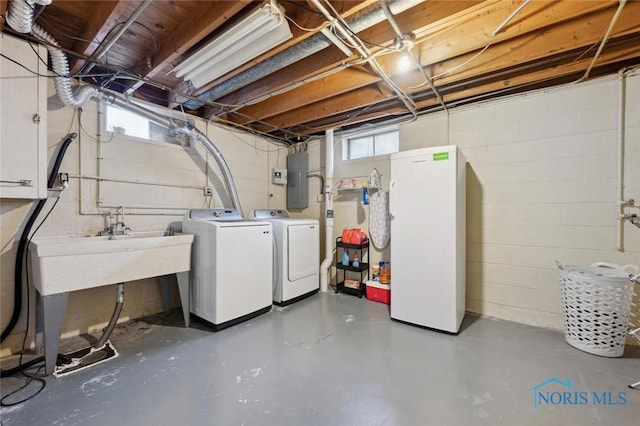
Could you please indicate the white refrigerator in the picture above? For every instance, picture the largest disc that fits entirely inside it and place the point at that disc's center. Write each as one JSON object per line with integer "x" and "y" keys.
{"x": 428, "y": 228}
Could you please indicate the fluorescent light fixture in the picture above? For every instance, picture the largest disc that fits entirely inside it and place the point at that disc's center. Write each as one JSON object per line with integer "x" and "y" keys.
{"x": 260, "y": 31}
{"x": 336, "y": 41}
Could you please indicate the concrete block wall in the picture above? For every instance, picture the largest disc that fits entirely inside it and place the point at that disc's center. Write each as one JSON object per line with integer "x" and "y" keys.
{"x": 541, "y": 187}
{"x": 181, "y": 176}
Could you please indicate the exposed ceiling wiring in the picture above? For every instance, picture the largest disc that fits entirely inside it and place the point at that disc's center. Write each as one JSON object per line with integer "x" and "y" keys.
{"x": 604, "y": 40}
{"x": 310, "y": 30}
{"x": 341, "y": 24}
{"x": 416, "y": 60}
{"x": 457, "y": 67}
{"x": 510, "y": 18}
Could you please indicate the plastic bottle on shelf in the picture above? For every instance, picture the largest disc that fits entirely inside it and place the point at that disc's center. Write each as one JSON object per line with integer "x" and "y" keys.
{"x": 365, "y": 196}
{"x": 345, "y": 257}
{"x": 356, "y": 261}
{"x": 375, "y": 272}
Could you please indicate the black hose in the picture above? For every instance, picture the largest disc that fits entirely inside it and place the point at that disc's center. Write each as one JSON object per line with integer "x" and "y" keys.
{"x": 22, "y": 245}
{"x": 61, "y": 360}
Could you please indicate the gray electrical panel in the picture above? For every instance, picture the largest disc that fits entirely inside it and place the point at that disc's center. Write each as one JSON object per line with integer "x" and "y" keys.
{"x": 297, "y": 181}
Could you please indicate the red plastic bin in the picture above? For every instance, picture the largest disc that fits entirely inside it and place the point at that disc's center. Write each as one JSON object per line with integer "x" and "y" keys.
{"x": 379, "y": 292}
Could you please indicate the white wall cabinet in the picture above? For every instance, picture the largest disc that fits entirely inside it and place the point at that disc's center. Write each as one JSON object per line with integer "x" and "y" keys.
{"x": 23, "y": 120}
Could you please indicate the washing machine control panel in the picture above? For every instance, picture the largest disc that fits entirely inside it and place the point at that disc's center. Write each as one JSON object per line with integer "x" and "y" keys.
{"x": 218, "y": 215}
{"x": 270, "y": 214}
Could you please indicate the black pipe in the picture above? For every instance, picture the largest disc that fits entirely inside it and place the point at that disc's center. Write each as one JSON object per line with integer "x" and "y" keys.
{"x": 24, "y": 238}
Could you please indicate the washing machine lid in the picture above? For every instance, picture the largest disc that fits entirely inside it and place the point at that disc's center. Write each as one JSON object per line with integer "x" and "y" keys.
{"x": 303, "y": 247}
{"x": 215, "y": 215}
{"x": 262, "y": 214}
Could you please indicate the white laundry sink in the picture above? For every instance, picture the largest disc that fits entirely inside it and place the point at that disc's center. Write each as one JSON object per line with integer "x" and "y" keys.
{"x": 64, "y": 264}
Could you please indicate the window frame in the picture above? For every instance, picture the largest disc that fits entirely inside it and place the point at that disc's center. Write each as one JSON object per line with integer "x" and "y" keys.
{"x": 348, "y": 137}
{"x": 167, "y": 113}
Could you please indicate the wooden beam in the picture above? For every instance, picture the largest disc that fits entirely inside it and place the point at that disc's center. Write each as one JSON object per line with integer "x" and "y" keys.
{"x": 311, "y": 21}
{"x": 471, "y": 31}
{"x": 580, "y": 33}
{"x": 625, "y": 50}
{"x": 318, "y": 90}
{"x": 106, "y": 14}
{"x": 427, "y": 13}
{"x": 3, "y": 11}
{"x": 340, "y": 104}
{"x": 527, "y": 48}
{"x": 195, "y": 28}
{"x": 354, "y": 119}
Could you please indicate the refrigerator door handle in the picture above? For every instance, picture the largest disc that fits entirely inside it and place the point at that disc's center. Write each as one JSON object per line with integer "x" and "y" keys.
{"x": 392, "y": 215}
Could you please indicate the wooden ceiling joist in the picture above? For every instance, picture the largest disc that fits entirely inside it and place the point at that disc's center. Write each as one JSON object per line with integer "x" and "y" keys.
{"x": 522, "y": 49}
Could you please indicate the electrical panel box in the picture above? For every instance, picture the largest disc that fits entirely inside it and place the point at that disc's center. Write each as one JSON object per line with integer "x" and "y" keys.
{"x": 279, "y": 176}
{"x": 297, "y": 181}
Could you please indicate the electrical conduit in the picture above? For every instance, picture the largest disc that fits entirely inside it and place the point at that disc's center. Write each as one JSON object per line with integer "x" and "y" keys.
{"x": 620, "y": 159}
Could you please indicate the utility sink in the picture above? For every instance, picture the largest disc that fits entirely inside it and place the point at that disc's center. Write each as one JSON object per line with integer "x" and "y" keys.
{"x": 63, "y": 264}
{"x": 60, "y": 265}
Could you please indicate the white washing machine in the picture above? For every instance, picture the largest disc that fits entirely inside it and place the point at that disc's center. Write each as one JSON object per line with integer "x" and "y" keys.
{"x": 296, "y": 261}
{"x": 232, "y": 266}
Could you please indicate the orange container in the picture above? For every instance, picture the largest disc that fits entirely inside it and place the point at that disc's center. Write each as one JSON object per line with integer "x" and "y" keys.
{"x": 385, "y": 275}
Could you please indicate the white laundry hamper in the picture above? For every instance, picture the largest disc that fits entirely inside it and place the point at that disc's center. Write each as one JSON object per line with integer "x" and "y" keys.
{"x": 596, "y": 303}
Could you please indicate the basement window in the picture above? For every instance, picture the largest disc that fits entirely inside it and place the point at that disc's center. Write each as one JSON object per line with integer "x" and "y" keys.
{"x": 128, "y": 123}
{"x": 362, "y": 145}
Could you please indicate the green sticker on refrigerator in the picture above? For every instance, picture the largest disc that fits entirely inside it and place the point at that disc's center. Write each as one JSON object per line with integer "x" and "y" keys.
{"x": 440, "y": 156}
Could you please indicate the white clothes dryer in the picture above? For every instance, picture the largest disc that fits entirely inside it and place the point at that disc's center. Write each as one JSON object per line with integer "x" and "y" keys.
{"x": 232, "y": 266}
{"x": 296, "y": 266}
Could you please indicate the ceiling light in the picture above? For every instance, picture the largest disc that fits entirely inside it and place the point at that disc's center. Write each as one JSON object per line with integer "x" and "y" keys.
{"x": 260, "y": 31}
{"x": 405, "y": 63}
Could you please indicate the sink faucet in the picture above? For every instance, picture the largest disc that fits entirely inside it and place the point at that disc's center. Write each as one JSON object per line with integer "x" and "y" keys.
{"x": 116, "y": 225}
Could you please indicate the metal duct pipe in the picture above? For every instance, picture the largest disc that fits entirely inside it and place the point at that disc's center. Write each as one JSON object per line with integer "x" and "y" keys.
{"x": 217, "y": 155}
{"x": 196, "y": 134}
{"x": 360, "y": 21}
{"x": 60, "y": 66}
{"x": 20, "y": 17}
{"x": 20, "y": 14}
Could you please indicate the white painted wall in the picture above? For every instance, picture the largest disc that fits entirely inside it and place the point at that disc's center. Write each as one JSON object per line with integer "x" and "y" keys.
{"x": 147, "y": 207}
{"x": 541, "y": 186}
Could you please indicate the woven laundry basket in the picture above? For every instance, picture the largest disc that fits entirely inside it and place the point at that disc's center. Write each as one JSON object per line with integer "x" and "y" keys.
{"x": 596, "y": 302}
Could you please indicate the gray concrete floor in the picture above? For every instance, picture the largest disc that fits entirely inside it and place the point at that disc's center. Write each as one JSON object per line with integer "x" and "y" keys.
{"x": 333, "y": 360}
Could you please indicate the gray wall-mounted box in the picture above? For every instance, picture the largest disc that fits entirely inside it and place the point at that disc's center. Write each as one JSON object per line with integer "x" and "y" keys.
{"x": 297, "y": 181}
